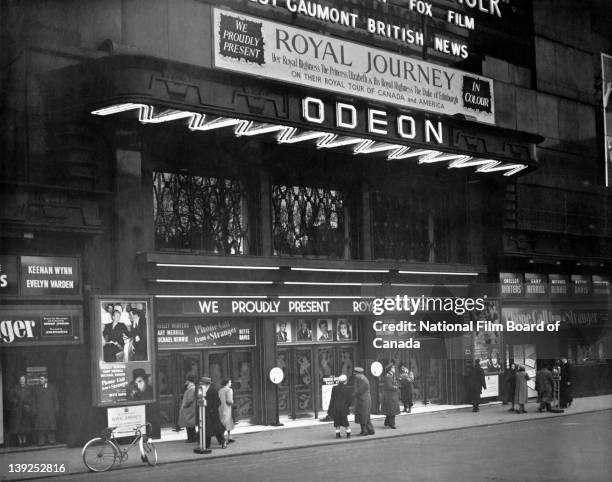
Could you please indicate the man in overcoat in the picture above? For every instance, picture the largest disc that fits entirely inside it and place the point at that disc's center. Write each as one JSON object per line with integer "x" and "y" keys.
{"x": 339, "y": 405}
{"x": 476, "y": 383}
{"x": 363, "y": 402}
{"x": 214, "y": 427}
{"x": 390, "y": 406}
{"x": 46, "y": 408}
{"x": 565, "y": 387}
{"x": 544, "y": 387}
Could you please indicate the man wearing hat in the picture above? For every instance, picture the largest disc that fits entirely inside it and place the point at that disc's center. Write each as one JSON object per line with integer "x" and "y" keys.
{"x": 140, "y": 388}
{"x": 339, "y": 406}
{"x": 476, "y": 383}
{"x": 214, "y": 427}
{"x": 363, "y": 402}
{"x": 390, "y": 400}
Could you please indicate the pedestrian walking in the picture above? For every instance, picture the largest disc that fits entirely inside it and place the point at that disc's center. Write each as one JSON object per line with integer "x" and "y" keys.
{"x": 544, "y": 387}
{"x": 187, "y": 413}
{"x": 520, "y": 390}
{"x": 363, "y": 402}
{"x": 390, "y": 406}
{"x": 214, "y": 427}
{"x": 339, "y": 404}
{"x": 406, "y": 378}
{"x": 20, "y": 410}
{"x": 476, "y": 383}
{"x": 509, "y": 386}
{"x": 226, "y": 396}
{"x": 46, "y": 408}
{"x": 566, "y": 384}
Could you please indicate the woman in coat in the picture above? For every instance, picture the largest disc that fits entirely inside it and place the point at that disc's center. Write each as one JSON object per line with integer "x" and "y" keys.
{"x": 187, "y": 413}
{"x": 226, "y": 395}
{"x": 339, "y": 404}
{"x": 390, "y": 406}
{"x": 20, "y": 403}
{"x": 520, "y": 391}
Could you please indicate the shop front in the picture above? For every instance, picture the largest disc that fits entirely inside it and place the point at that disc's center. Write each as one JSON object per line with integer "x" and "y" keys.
{"x": 41, "y": 334}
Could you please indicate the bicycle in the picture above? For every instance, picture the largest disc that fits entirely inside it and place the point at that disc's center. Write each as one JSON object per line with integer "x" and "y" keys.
{"x": 102, "y": 453}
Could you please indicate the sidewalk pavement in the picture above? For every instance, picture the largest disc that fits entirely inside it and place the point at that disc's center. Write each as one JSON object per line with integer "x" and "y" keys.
{"x": 260, "y": 439}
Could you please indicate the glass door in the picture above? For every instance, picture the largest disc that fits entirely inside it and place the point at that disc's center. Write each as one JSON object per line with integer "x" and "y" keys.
{"x": 295, "y": 393}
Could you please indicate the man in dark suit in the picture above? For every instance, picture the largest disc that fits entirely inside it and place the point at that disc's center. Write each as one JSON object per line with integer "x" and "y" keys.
{"x": 476, "y": 383}
{"x": 138, "y": 333}
{"x": 281, "y": 334}
{"x": 46, "y": 408}
{"x": 325, "y": 334}
{"x": 565, "y": 387}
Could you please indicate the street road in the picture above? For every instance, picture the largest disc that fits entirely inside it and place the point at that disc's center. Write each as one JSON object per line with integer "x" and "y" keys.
{"x": 569, "y": 448}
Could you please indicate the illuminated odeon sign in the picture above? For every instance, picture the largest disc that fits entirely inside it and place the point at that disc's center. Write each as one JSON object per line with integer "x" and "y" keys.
{"x": 403, "y": 127}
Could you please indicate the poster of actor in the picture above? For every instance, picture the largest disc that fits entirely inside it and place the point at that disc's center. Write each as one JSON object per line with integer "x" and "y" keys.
{"x": 487, "y": 344}
{"x": 123, "y": 365}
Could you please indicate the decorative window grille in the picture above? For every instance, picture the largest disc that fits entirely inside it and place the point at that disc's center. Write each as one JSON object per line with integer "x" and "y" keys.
{"x": 412, "y": 226}
{"x": 308, "y": 221}
{"x": 199, "y": 213}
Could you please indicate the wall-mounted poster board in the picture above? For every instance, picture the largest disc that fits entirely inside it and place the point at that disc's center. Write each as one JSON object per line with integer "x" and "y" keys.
{"x": 122, "y": 347}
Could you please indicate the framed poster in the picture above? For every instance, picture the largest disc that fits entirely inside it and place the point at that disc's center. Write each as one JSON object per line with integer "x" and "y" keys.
{"x": 122, "y": 347}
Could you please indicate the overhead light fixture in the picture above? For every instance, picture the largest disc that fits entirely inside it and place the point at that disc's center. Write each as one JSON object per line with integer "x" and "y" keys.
{"x": 340, "y": 270}
{"x": 213, "y": 296}
{"x": 451, "y": 273}
{"x": 230, "y": 282}
{"x": 322, "y": 283}
{"x": 213, "y": 266}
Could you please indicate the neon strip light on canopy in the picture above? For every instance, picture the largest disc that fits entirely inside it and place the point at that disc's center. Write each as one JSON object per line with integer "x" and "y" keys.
{"x": 199, "y": 123}
{"x": 408, "y": 152}
{"x": 115, "y": 109}
{"x": 441, "y": 157}
{"x": 147, "y": 115}
{"x": 370, "y": 147}
{"x": 250, "y": 128}
{"x": 290, "y": 135}
{"x": 333, "y": 140}
{"x": 471, "y": 162}
{"x": 513, "y": 168}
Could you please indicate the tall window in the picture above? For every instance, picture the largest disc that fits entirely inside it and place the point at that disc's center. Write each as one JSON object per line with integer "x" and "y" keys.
{"x": 199, "y": 213}
{"x": 308, "y": 221}
{"x": 413, "y": 226}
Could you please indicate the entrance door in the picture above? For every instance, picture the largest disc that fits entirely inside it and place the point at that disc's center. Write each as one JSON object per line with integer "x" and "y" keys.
{"x": 295, "y": 392}
{"x": 173, "y": 370}
{"x": 235, "y": 365}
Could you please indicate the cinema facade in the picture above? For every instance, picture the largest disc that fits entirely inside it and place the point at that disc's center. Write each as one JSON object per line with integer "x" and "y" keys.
{"x": 251, "y": 178}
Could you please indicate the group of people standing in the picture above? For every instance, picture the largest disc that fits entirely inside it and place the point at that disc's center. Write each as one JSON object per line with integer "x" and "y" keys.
{"x": 124, "y": 334}
{"x": 218, "y": 411}
{"x": 515, "y": 386}
{"x": 395, "y": 388}
{"x": 33, "y": 409}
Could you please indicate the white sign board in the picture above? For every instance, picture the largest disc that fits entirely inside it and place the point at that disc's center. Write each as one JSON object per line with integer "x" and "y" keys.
{"x": 492, "y": 390}
{"x": 276, "y": 375}
{"x": 280, "y": 52}
{"x": 376, "y": 368}
{"x": 126, "y": 419}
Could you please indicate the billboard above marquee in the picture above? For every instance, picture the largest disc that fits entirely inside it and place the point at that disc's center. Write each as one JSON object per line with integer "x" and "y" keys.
{"x": 276, "y": 51}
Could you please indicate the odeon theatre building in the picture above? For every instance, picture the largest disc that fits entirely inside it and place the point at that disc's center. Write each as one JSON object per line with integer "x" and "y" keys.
{"x": 247, "y": 182}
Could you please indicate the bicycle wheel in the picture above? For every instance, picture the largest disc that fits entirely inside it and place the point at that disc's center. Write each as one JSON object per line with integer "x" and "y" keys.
{"x": 148, "y": 452}
{"x": 99, "y": 454}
